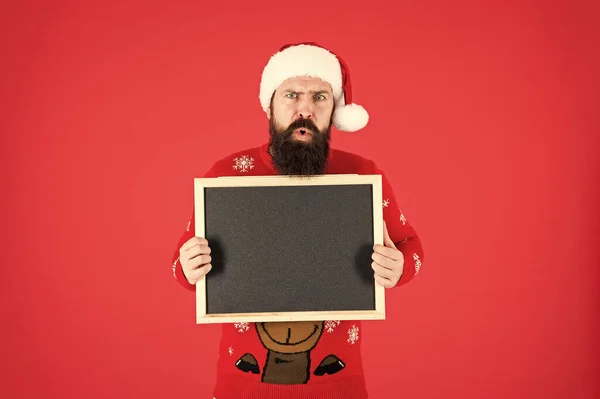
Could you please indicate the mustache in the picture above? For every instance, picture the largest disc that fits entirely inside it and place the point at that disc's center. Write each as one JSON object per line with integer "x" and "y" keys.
{"x": 302, "y": 124}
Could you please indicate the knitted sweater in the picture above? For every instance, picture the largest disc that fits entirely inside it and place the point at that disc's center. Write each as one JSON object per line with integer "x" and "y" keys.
{"x": 326, "y": 361}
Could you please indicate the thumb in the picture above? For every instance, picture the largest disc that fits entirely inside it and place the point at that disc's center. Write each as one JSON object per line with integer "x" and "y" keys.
{"x": 387, "y": 241}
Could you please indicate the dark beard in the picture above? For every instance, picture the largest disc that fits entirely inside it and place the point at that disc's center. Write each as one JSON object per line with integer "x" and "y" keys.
{"x": 293, "y": 157}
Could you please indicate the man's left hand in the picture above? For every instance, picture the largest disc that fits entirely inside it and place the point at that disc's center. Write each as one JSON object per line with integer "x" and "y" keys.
{"x": 388, "y": 261}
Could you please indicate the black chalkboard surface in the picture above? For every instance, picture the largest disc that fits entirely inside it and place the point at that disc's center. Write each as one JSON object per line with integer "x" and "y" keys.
{"x": 289, "y": 248}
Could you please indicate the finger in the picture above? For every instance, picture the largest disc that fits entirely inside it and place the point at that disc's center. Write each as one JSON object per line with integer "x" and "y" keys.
{"x": 387, "y": 241}
{"x": 198, "y": 274}
{"x": 385, "y": 261}
{"x": 389, "y": 253}
{"x": 383, "y": 271}
{"x": 198, "y": 261}
{"x": 382, "y": 261}
{"x": 192, "y": 242}
{"x": 384, "y": 281}
{"x": 196, "y": 250}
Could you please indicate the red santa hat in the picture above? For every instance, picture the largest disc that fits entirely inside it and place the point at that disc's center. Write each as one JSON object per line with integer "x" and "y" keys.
{"x": 310, "y": 59}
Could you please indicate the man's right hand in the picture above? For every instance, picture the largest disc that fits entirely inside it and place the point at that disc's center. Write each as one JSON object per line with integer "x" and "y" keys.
{"x": 195, "y": 259}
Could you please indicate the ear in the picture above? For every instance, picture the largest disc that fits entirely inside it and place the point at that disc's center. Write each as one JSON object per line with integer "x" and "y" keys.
{"x": 269, "y": 113}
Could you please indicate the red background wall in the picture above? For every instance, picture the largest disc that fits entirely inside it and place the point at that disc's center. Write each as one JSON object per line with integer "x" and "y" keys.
{"x": 484, "y": 115}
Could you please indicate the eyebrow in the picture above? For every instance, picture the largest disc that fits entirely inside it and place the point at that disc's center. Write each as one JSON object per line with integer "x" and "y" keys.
{"x": 323, "y": 91}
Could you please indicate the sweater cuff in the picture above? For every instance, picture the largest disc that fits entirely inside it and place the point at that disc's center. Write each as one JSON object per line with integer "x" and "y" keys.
{"x": 179, "y": 276}
{"x": 413, "y": 259}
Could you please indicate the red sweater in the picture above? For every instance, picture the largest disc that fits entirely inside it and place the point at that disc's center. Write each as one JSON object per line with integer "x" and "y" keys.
{"x": 330, "y": 366}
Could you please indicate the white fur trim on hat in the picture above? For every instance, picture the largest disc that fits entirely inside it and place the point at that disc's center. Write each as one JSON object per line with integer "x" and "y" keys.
{"x": 301, "y": 60}
{"x": 312, "y": 61}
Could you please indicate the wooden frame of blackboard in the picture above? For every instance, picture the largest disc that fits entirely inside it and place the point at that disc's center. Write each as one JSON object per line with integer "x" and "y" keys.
{"x": 201, "y": 184}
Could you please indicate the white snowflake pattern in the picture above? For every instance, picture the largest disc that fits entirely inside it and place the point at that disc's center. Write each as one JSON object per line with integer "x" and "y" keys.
{"x": 230, "y": 350}
{"x": 241, "y": 327}
{"x": 174, "y": 267}
{"x": 402, "y": 218}
{"x": 353, "y": 334}
{"x": 243, "y": 163}
{"x": 386, "y": 203}
{"x": 417, "y": 263}
{"x": 330, "y": 325}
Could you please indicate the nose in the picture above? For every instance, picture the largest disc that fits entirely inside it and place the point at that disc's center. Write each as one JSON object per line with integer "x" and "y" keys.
{"x": 305, "y": 109}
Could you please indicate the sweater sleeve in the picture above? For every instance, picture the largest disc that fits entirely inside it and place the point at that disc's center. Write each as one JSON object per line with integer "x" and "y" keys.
{"x": 401, "y": 232}
{"x": 187, "y": 234}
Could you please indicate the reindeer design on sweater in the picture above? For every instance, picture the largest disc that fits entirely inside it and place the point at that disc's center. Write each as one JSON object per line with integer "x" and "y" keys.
{"x": 288, "y": 357}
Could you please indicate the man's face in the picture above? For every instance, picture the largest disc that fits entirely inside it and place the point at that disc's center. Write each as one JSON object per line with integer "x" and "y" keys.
{"x": 300, "y": 126}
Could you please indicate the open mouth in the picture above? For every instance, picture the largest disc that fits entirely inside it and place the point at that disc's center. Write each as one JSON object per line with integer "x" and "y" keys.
{"x": 302, "y": 133}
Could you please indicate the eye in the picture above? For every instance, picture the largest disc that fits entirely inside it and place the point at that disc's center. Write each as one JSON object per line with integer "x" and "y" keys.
{"x": 320, "y": 97}
{"x": 291, "y": 95}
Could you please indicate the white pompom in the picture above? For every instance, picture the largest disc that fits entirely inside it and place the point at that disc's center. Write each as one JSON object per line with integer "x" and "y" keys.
{"x": 350, "y": 118}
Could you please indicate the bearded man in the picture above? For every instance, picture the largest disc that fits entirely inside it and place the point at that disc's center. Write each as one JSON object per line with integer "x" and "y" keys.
{"x": 305, "y": 90}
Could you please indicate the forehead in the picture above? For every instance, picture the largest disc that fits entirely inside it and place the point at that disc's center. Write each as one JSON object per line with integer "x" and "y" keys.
{"x": 305, "y": 83}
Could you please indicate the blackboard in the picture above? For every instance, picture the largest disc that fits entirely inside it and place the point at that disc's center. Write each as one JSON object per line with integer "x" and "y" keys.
{"x": 289, "y": 248}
